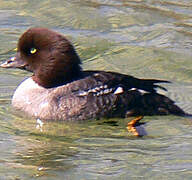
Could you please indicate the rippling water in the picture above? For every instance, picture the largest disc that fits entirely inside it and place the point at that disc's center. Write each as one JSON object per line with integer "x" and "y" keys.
{"x": 144, "y": 38}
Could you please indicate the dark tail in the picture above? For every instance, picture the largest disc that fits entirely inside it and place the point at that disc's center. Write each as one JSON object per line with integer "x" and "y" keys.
{"x": 150, "y": 84}
{"x": 161, "y": 105}
{"x": 149, "y": 102}
{"x": 157, "y": 103}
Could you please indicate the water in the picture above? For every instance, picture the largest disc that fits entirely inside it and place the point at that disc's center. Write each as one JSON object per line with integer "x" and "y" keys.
{"x": 144, "y": 38}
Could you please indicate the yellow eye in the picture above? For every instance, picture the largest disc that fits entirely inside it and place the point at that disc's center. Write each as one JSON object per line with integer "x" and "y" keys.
{"x": 15, "y": 49}
{"x": 33, "y": 50}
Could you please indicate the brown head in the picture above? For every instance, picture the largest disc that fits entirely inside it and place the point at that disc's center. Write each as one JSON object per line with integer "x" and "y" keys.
{"x": 49, "y": 55}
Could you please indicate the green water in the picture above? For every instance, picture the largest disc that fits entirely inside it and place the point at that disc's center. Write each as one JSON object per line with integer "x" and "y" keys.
{"x": 144, "y": 38}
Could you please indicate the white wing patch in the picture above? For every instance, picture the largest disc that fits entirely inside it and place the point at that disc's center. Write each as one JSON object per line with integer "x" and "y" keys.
{"x": 97, "y": 91}
{"x": 119, "y": 90}
{"x": 140, "y": 90}
{"x": 103, "y": 90}
{"x": 143, "y": 91}
{"x": 83, "y": 93}
{"x": 132, "y": 89}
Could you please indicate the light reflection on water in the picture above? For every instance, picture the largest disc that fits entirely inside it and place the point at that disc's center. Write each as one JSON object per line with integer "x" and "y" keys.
{"x": 141, "y": 38}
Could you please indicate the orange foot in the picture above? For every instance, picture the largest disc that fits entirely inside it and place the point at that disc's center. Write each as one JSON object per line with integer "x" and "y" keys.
{"x": 131, "y": 126}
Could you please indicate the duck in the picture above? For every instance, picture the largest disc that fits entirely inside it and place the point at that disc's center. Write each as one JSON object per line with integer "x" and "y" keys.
{"x": 59, "y": 90}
